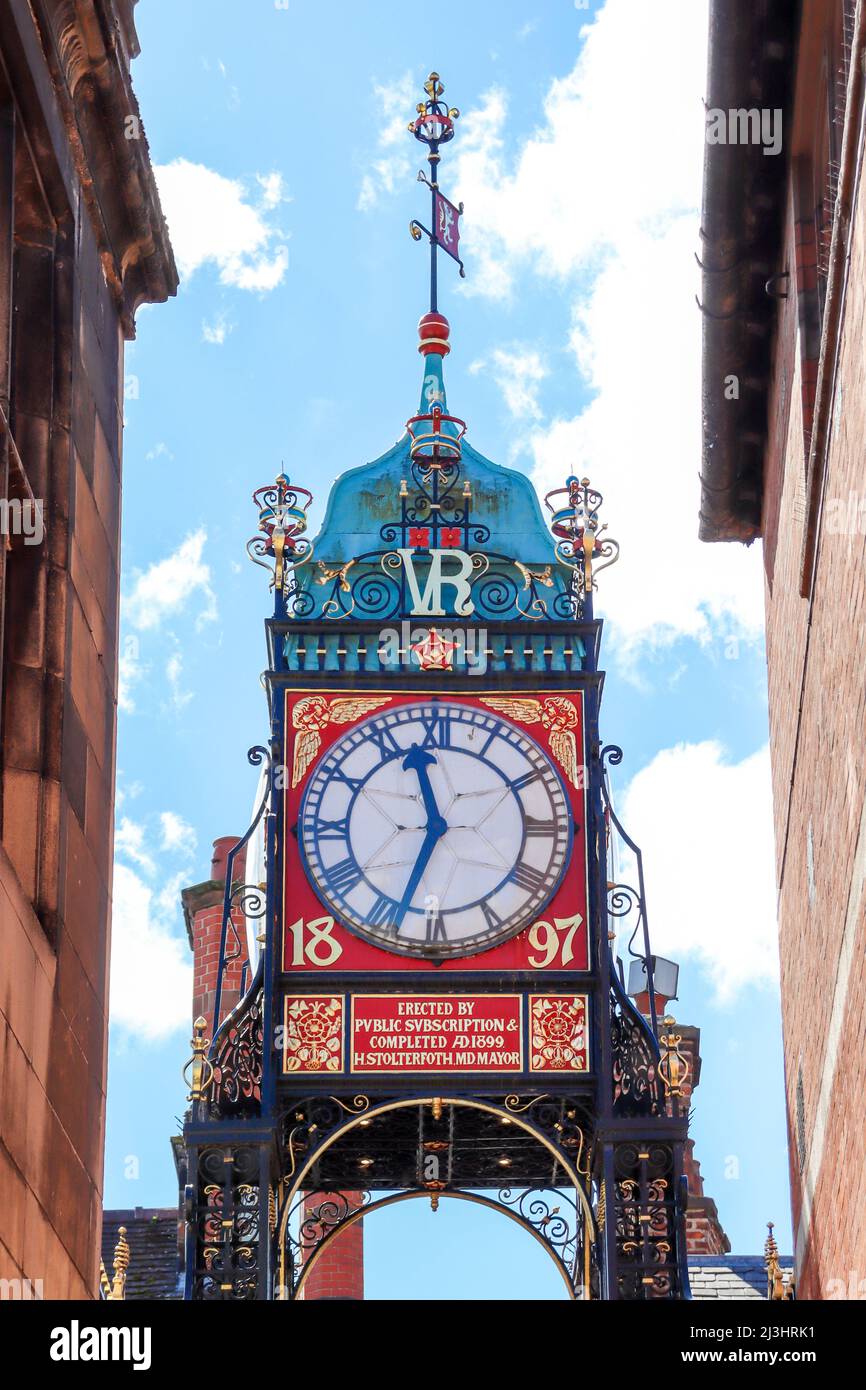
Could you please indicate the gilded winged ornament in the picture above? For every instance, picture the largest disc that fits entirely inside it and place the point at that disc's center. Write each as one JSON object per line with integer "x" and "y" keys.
{"x": 539, "y": 576}
{"x": 314, "y": 713}
{"x": 558, "y": 715}
{"x": 338, "y": 573}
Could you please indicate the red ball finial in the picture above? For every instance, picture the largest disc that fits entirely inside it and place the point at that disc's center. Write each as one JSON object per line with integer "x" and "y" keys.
{"x": 434, "y": 331}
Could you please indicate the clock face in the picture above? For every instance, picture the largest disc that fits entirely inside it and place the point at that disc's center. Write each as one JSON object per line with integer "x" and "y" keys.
{"x": 435, "y": 829}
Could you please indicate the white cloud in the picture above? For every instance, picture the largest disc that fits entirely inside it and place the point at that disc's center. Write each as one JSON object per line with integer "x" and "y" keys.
{"x": 131, "y": 670}
{"x": 477, "y": 171}
{"x": 160, "y": 450}
{"x": 706, "y": 831}
{"x": 212, "y": 221}
{"x": 180, "y": 698}
{"x": 637, "y": 338}
{"x": 166, "y": 586}
{"x": 151, "y": 984}
{"x": 599, "y": 168}
{"x": 216, "y": 331}
{"x": 396, "y": 102}
{"x": 151, "y": 970}
{"x": 273, "y": 189}
{"x": 178, "y": 836}
{"x": 518, "y": 372}
{"x": 604, "y": 200}
{"x": 129, "y": 840}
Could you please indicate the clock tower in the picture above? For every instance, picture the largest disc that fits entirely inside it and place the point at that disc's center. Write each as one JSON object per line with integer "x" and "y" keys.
{"x": 435, "y": 1005}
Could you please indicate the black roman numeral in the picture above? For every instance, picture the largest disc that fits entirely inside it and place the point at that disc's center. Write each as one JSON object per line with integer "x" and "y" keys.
{"x": 436, "y": 928}
{"x": 526, "y": 780}
{"x": 493, "y": 920}
{"x": 344, "y": 876}
{"x": 333, "y": 829}
{"x": 529, "y": 878}
{"x": 383, "y": 913}
{"x": 540, "y": 829}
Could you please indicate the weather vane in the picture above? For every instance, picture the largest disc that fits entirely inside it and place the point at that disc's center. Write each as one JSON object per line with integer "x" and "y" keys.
{"x": 434, "y": 126}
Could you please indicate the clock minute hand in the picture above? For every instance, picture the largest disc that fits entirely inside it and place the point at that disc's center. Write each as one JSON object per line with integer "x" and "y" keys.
{"x": 418, "y": 761}
{"x": 429, "y": 843}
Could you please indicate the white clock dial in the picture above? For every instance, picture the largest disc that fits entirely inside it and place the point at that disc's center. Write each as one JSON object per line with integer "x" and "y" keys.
{"x": 435, "y": 829}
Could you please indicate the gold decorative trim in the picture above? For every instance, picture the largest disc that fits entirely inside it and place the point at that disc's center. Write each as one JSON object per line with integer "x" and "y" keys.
{"x": 198, "y": 1066}
{"x": 558, "y": 715}
{"x": 314, "y": 713}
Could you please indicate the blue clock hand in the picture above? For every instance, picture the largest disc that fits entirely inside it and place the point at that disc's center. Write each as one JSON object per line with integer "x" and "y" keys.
{"x": 428, "y": 845}
{"x": 418, "y": 761}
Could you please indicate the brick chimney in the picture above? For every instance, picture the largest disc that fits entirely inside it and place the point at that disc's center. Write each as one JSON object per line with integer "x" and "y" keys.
{"x": 705, "y": 1234}
{"x": 202, "y": 910}
{"x": 339, "y": 1271}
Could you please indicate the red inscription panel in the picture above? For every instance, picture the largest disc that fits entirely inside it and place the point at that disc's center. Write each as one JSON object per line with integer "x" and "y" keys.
{"x": 400, "y": 1034}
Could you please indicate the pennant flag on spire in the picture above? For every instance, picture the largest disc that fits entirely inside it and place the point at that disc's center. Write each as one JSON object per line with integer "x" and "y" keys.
{"x": 433, "y": 127}
{"x": 448, "y": 226}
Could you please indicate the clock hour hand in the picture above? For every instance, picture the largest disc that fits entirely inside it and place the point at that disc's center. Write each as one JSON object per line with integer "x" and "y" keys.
{"x": 418, "y": 761}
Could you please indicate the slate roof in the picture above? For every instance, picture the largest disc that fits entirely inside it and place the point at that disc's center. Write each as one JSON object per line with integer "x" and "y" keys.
{"x": 153, "y": 1254}
{"x": 730, "y": 1276}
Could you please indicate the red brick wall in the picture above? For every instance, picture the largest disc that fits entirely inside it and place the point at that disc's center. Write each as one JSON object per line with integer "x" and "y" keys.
{"x": 206, "y": 940}
{"x": 339, "y": 1270}
{"x": 817, "y": 689}
{"x": 203, "y": 907}
{"x": 704, "y": 1232}
{"x": 70, "y": 304}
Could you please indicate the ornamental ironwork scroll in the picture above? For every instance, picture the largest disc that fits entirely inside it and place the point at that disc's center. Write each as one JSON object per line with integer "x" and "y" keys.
{"x": 246, "y": 897}
{"x": 224, "y": 1216}
{"x": 552, "y": 1215}
{"x": 435, "y": 515}
{"x": 648, "y": 1208}
{"x": 238, "y": 1056}
{"x": 637, "y": 1087}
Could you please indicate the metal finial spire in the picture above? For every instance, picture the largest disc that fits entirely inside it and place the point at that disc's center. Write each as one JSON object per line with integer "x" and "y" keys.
{"x": 114, "y": 1290}
{"x": 434, "y": 126}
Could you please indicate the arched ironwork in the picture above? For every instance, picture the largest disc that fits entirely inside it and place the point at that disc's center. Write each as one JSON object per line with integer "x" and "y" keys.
{"x": 316, "y": 1126}
{"x": 557, "y": 1232}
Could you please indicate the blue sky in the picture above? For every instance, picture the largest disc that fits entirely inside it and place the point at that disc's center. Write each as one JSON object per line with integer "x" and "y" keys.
{"x": 288, "y": 180}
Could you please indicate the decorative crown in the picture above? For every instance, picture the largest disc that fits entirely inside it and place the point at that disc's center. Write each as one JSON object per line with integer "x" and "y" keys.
{"x": 574, "y": 522}
{"x": 280, "y": 546}
{"x": 434, "y": 124}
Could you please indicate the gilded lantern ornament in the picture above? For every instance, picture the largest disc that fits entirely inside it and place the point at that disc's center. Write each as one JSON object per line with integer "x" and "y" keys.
{"x": 673, "y": 1066}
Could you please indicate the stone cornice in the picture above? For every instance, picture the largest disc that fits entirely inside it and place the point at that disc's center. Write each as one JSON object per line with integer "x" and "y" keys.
{"x": 88, "y": 44}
